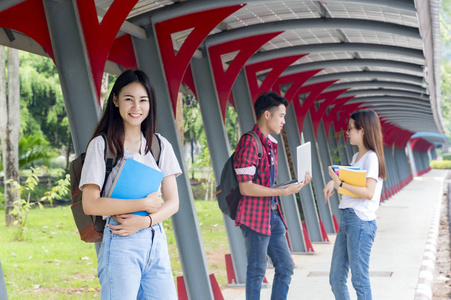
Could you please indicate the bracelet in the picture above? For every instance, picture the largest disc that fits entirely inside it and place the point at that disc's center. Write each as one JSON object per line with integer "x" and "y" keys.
{"x": 151, "y": 221}
{"x": 341, "y": 184}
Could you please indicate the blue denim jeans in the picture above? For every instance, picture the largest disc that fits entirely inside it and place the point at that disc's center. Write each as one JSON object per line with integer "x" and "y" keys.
{"x": 258, "y": 246}
{"x": 136, "y": 266}
{"x": 352, "y": 249}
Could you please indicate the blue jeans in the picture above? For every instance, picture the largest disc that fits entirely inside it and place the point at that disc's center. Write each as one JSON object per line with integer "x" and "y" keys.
{"x": 136, "y": 266}
{"x": 276, "y": 247}
{"x": 352, "y": 249}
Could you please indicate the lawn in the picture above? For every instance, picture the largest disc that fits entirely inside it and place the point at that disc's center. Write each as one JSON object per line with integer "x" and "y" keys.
{"x": 53, "y": 263}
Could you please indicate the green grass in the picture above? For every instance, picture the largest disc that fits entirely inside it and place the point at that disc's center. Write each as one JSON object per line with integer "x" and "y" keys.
{"x": 53, "y": 263}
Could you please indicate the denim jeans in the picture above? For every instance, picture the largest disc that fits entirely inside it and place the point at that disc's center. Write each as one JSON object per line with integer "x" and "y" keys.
{"x": 352, "y": 249}
{"x": 258, "y": 246}
{"x": 135, "y": 266}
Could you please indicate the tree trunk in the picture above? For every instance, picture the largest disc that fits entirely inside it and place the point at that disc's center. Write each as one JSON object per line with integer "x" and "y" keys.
{"x": 103, "y": 89}
{"x": 10, "y": 123}
{"x": 69, "y": 147}
{"x": 3, "y": 103}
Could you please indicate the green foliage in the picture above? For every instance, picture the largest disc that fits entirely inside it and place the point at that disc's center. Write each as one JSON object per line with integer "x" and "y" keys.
{"x": 446, "y": 156}
{"x": 445, "y": 164}
{"x": 232, "y": 128}
{"x": 58, "y": 191}
{"x": 41, "y": 268}
{"x": 33, "y": 148}
{"x": 42, "y": 104}
{"x": 21, "y": 209}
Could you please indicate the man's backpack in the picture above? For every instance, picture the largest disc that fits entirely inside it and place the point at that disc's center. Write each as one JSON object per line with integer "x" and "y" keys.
{"x": 228, "y": 190}
{"x": 91, "y": 227}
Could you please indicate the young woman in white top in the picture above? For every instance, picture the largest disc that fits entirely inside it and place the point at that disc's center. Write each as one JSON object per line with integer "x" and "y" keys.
{"x": 355, "y": 237}
{"x": 133, "y": 261}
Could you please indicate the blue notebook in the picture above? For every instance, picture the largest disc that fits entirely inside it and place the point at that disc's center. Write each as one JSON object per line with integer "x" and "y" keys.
{"x": 135, "y": 180}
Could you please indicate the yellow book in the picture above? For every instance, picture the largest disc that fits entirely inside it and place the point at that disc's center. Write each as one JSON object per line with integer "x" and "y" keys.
{"x": 353, "y": 177}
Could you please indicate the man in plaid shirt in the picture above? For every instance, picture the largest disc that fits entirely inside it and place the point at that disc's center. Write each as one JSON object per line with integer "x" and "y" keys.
{"x": 258, "y": 213}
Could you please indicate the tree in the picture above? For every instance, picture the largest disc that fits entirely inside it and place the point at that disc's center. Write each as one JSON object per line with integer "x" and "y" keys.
{"x": 193, "y": 125}
{"x": 9, "y": 128}
{"x": 42, "y": 103}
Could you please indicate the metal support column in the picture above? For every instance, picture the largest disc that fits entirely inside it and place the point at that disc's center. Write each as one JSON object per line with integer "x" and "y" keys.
{"x": 3, "y": 293}
{"x": 326, "y": 161}
{"x": 218, "y": 144}
{"x": 73, "y": 68}
{"x": 411, "y": 159}
{"x": 342, "y": 150}
{"x": 246, "y": 117}
{"x": 185, "y": 221}
{"x": 318, "y": 177}
{"x": 400, "y": 160}
{"x": 349, "y": 150}
{"x": 308, "y": 205}
{"x": 389, "y": 167}
{"x": 396, "y": 170}
{"x": 333, "y": 147}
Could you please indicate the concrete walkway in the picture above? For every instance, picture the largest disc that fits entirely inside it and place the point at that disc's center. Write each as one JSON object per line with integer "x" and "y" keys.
{"x": 404, "y": 223}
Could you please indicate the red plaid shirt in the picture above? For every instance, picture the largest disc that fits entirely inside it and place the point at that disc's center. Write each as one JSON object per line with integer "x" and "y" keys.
{"x": 255, "y": 212}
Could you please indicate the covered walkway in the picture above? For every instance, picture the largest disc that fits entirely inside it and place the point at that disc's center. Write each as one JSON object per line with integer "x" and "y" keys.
{"x": 402, "y": 253}
{"x": 328, "y": 58}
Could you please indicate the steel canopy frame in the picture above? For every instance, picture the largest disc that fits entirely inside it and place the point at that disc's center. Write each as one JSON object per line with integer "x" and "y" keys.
{"x": 338, "y": 47}
{"x": 403, "y": 102}
{"x": 393, "y": 64}
{"x": 309, "y": 24}
{"x": 380, "y": 84}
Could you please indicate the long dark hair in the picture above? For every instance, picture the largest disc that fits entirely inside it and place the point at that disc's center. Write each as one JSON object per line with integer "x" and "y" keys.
{"x": 111, "y": 124}
{"x": 372, "y": 135}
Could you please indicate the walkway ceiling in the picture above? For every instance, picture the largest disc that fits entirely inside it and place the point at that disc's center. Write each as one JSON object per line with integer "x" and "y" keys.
{"x": 385, "y": 54}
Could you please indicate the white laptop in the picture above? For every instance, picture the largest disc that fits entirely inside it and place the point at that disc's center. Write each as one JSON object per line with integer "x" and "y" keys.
{"x": 304, "y": 164}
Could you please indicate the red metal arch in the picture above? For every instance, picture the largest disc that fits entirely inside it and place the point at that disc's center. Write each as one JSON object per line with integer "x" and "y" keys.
{"x": 123, "y": 53}
{"x": 224, "y": 79}
{"x": 343, "y": 112}
{"x": 314, "y": 90}
{"x": 277, "y": 66}
{"x": 322, "y": 115}
{"x": 100, "y": 37}
{"x": 420, "y": 144}
{"x": 189, "y": 80}
{"x": 29, "y": 18}
{"x": 329, "y": 98}
{"x": 201, "y": 23}
{"x": 295, "y": 81}
{"x": 394, "y": 134}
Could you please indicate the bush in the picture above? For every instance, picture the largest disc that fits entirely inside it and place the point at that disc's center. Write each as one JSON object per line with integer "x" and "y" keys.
{"x": 446, "y": 156}
{"x": 58, "y": 162}
{"x": 445, "y": 164}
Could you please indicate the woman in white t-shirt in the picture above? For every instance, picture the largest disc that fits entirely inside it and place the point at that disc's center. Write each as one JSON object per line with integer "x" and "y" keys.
{"x": 355, "y": 237}
{"x": 133, "y": 261}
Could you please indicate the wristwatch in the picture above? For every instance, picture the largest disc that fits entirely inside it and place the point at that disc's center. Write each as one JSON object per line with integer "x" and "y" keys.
{"x": 341, "y": 184}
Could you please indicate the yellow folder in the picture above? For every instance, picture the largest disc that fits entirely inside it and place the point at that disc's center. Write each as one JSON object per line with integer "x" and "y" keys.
{"x": 353, "y": 177}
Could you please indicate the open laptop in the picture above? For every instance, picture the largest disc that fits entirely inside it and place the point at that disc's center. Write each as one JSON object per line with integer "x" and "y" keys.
{"x": 304, "y": 164}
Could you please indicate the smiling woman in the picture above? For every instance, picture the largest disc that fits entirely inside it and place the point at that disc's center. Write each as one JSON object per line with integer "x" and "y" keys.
{"x": 129, "y": 240}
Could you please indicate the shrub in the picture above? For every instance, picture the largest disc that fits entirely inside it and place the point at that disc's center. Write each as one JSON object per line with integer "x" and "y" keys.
{"x": 446, "y": 156}
{"x": 445, "y": 164}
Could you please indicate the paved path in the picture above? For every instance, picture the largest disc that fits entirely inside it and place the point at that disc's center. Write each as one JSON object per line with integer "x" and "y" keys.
{"x": 399, "y": 251}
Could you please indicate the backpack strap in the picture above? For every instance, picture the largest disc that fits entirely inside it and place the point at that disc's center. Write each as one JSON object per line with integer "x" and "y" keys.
{"x": 110, "y": 161}
{"x": 259, "y": 146}
{"x": 259, "y": 143}
{"x": 155, "y": 149}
